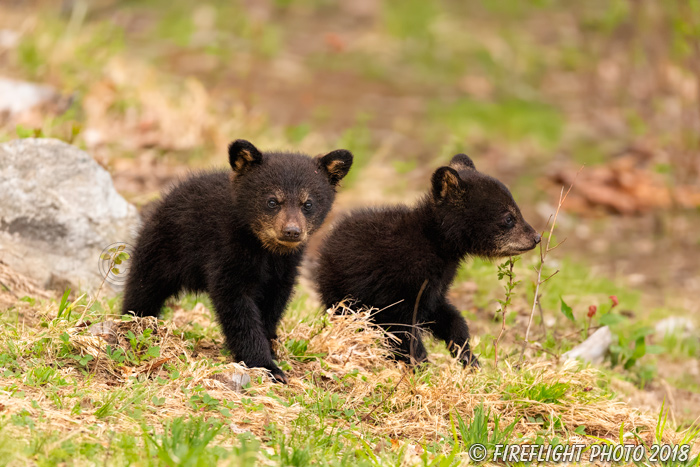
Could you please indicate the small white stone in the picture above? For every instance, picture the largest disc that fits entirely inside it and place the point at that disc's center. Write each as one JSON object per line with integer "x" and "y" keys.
{"x": 593, "y": 349}
{"x": 17, "y": 97}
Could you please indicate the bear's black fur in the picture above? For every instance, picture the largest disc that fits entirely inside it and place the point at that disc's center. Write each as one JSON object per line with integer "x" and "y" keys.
{"x": 383, "y": 257}
{"x": 238, "y": 236}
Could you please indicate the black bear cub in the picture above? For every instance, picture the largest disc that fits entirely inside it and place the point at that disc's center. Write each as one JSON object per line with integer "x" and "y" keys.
{"x": 239, "y": 236}
{"x": 394, "y": 258}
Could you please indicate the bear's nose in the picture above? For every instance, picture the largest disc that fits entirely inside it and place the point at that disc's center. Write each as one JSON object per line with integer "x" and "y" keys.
{"x": 538, "y": 238}
{"x": 292, "y": 232}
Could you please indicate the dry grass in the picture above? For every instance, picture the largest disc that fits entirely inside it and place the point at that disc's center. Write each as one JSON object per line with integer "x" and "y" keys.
{"x": 341, "y": 378}
{"x": 418, "y": 408}
{"x": 14, "y": 285}
{"x": 353, "y": 361}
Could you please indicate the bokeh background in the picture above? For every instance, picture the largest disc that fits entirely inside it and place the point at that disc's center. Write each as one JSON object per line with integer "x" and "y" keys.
{"x": 531, "y": 90}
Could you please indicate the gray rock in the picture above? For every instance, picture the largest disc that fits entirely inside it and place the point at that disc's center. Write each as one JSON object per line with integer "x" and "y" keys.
{"x": 17, "y": 97}
{"x": 233, "y": 380}
{"x": 58, "y": 211}
{"x": 593, "y": 349}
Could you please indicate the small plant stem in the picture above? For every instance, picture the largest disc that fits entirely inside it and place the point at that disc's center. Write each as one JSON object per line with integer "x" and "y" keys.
{"x": 545, "y": 248}
{"x": 536, "y": 300}
{"x": 588, "y": 327}
{"x": 90, "y": 302}
{"x": 504, "y": 304}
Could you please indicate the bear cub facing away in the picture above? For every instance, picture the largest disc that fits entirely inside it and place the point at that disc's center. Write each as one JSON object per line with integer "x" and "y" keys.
{"x": 391, "y": 258}
{"x": 239, "y": 236}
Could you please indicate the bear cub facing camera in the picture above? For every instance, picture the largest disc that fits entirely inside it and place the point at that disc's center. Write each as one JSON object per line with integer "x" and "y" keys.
{"x": 238, "y": 235}
{"x": 393, "y": 258}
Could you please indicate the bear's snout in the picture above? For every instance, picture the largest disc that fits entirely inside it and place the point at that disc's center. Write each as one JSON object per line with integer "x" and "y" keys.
{"x": 290, "y": 227}
{"x": 291, "y": 232}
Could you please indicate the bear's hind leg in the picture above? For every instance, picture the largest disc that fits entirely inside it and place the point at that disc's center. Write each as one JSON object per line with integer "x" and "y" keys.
{"x": 146, "y": 290}
{"x": 145, "y": 300}
{"x": 411, "y": 349}
{"x": 451, "y": 327}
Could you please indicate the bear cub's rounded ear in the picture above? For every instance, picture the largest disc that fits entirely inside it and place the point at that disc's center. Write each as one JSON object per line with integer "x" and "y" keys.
{"x": 242, "y": 156}
{"x": 462, "y": 162}
{"x": 335, "y": 164}
{"x": 446, "y": 181}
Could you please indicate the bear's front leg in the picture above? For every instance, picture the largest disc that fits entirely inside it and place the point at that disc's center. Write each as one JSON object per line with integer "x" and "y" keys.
{"x": 450, "y": 326}
{"x": 242, "y": 324}
{"x": 274, "y": 304}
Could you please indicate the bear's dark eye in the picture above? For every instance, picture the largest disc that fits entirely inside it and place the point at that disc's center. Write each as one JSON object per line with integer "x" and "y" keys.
{"x": 509, "y": 221}
{"x": 308, "y": 205}
{"x": 272, "y": 203}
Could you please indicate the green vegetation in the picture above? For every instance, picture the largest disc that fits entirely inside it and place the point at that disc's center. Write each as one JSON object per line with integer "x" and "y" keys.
{"x": 347, "y": 402}
{"x": 511, "y": 120}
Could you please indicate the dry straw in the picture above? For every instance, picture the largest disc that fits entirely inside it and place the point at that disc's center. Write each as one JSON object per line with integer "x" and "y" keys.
{"x": 347, "y": 355}
{"x": 413, "y": 406}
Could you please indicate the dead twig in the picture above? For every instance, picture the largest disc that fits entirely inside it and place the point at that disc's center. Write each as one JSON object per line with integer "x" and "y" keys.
{"x": 412, "y": 348}
{"x": 393, "y": 390}
{"x": 545, "y": 248}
